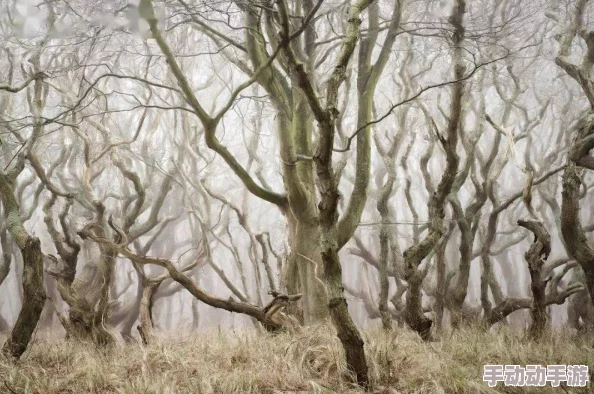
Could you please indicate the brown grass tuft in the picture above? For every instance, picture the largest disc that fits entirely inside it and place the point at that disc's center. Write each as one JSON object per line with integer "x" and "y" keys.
{"x": 308, "y": 362}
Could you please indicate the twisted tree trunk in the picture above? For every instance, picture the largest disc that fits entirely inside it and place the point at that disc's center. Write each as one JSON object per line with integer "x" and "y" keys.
{"x": 33, "y": 287}
{"x": 535, "y": 257}
{"x": 576, "y": 243}
{"x": 414, "y": 256}
{"x": 145, "y": 328}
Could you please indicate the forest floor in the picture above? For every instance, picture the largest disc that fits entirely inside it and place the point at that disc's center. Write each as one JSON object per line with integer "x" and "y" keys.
{"x": 309, "y": 361}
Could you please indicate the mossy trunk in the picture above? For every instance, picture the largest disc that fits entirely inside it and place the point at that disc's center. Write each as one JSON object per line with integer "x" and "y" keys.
{"x": 347, "y": 332}
{"x": 305, "y": 238}
{"x": 33, "y": 289}
{"x": 33, "y": 300}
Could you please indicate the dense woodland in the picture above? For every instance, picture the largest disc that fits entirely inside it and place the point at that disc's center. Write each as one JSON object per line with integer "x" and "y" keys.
{"x": 175, "y": 166}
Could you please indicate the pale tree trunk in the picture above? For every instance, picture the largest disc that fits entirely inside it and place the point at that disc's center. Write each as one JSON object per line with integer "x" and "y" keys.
{"x": 150, "y": 286}
{"x": 85, "y": 321}
{"x": 367, "y": 79}
{"x": 195, "y": 314}
{"x": 294, "y": 128}
{"x": 468, "y": 219}
{"x": 82, "y": 292}
{"x": 310, "y": 273}
{"x": 48, "y": 315}
{"x": 5, "y": 264}
{"x": 132, "y": 311}
{"x": 513, "y": 286}
{"x": 304, "y": 230}
{"x": 6, "y": 255}
{"x": 147, "y": 324}
{"x": 290, "y": 284}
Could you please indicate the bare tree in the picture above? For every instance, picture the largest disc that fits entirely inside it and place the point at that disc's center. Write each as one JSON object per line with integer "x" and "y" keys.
{"x": 578, "y": 157}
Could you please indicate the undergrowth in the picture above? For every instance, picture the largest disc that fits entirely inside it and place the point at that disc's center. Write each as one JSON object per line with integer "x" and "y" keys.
{"x": 310, "y": 361}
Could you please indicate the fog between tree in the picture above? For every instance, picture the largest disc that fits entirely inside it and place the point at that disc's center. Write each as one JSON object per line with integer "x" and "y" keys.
{"x": 177, "y": 166}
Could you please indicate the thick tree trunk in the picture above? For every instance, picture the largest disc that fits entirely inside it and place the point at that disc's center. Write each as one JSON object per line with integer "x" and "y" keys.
{"x": 458, "y": 293}
{"x": 305, "y": 240}
{"x": 132, "y": 312}
{"x": 347, "y": 332}
{"x": 580, "y": 311}
{"x": 576, "y": 243}
{"x": 413, "y": 311}
{"x": 33, "y": 300}
{"x": 290, "y": 284}
{"x": 33, "y": 288}
{"x": 535, "y": 257}
{"x": 84, "y": 322}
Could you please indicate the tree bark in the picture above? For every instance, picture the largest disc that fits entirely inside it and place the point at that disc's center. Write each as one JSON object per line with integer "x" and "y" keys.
{"x": 326, "y": 116}
{"x": 305, "y": 237}
{"x": 535, "y": 257}
{"x": 33, "y": 300}
{"x": 576, "y": 243}
{"x": 579, "y": 308}
{"x": 33, "y": 287}
{"x": 415, "y": 255}
{"x": 146, "y": 311}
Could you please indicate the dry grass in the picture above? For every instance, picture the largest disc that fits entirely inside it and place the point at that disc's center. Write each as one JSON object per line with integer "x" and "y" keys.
{"x": 310, "y": 361}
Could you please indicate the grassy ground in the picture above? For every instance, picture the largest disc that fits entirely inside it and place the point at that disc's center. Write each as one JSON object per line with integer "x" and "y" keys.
{"x": 307, "y": 362}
